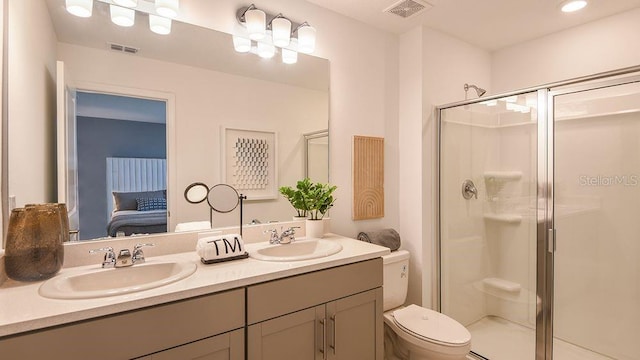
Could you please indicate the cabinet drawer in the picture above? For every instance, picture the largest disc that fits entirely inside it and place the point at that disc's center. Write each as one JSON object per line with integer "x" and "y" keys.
{"x": 280, "y": 297}
{"x": 135, "y": 333}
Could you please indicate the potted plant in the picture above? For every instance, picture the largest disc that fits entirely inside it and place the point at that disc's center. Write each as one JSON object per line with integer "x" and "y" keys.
{"x": 294, "y": 196}
{"x": 318, "y": 199}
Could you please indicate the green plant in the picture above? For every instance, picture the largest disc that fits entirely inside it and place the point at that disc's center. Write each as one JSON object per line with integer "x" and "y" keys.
{"x": 314, "y": 199}
{"x": 318, "y": 198}
{"x": 295, "y": 198}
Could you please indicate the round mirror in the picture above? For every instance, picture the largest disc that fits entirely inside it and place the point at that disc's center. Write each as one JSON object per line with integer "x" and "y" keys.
{"x": 223, "y": 198}
{"x": 196, "y": 192}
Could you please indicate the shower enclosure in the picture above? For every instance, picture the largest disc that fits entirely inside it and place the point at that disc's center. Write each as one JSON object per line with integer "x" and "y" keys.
{"x": 539, "y": 220}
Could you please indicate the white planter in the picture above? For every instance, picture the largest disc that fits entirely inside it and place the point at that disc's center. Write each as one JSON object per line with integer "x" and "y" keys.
{"x": 315, "y": 228}
{"x": 299, "y": 218}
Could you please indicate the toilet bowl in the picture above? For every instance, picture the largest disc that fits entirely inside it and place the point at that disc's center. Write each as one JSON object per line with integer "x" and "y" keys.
{"x": 414, "y": 332}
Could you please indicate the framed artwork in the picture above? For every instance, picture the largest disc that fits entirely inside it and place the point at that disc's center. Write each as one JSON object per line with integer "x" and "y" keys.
{"x": 249, "y": 162}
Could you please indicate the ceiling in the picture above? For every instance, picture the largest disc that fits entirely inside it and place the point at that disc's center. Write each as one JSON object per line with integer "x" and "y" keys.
{"x": 489, "y": 24}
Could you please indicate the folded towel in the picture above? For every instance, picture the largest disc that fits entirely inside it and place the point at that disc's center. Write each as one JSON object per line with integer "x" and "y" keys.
{"x": 220, "y": 247}
{"x": 385, "y": 237}
{"x": 194, "y": 225}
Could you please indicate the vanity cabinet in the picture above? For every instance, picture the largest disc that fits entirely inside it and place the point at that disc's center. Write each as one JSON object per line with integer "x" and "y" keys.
{"x": 328, "y": 314}
{"x": 229, "y": 346}
{"x": 211, "y": 324}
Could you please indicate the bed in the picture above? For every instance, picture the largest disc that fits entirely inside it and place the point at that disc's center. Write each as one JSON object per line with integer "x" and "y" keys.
{"x": 136, "y": 196}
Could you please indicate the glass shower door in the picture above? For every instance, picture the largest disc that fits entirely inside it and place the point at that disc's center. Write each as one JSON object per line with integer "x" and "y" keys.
{"x": 488, "y": 222}
{"x": 597, "y": 220}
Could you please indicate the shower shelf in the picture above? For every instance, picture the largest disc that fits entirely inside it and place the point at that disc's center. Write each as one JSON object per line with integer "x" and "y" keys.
{"x": 505, "y": 218}
{"x": 502, "y": 176}
{"x": 502, "y": 284}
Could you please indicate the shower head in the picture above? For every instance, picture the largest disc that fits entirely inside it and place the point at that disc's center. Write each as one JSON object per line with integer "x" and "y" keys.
{"x": 479, "y": 91}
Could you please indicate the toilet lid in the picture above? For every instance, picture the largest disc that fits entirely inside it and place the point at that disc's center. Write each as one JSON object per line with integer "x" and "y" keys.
{"x": 432, "y": 325}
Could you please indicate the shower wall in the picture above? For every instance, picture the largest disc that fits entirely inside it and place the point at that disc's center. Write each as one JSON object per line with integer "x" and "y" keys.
{"x": 488, "y": 244}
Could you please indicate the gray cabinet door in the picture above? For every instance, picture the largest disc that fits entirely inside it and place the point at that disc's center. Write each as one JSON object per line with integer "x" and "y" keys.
{"x": 355, "y": 328}
{"x": 228, "y": 346}
{"x": 299, "y": 335}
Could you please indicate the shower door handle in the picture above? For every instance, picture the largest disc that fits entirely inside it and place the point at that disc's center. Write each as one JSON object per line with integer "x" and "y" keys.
{"x": 551, "y": 241}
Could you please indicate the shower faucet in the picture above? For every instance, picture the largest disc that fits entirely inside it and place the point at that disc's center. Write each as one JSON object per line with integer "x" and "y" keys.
{"x": 469, "y": 190}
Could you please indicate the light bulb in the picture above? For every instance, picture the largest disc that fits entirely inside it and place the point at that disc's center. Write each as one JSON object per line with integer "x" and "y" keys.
{"x": 256, "y": 23}
{"x": 122, "y": 16}
{"x": 168, "y": 8}
{"x": 159, "y": 25}
{"x": 241, "y": 44}
{"x": 281, "y": 31}
{"x": 573, "y": 5}
{"x": 306, "y": 39}
{"x": 81, "y": 8}
{"x": 266, "y": 51}
{"x": 289, "y": 56}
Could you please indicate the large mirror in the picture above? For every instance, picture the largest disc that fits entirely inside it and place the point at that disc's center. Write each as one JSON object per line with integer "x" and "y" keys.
{"x": 82, "y": 91}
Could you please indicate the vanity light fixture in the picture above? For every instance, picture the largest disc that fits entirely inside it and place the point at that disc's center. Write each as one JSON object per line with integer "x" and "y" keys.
{"x": 168, "y": 8}
{"x": 280, "y": 30}
{"x": 306, "y": 38}
{"x": 159, "y": 25}
{"x": 569, "y": 6}
{"x": 122, "y": 16}
{"x": 126, "y": 3}
{"x": 81, "y": 8}
{"x": 277, "y": 32}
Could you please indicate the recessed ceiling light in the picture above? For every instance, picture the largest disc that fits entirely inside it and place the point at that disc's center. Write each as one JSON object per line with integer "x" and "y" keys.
{"x": 572, "y": 5}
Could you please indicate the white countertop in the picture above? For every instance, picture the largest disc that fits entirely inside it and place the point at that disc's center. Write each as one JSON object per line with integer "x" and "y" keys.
{"x": 23, "y": 309}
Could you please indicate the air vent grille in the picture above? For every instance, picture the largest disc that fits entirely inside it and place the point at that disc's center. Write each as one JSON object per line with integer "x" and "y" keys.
{"x": 407, "y": 8}
{"x": 123, "y": 48}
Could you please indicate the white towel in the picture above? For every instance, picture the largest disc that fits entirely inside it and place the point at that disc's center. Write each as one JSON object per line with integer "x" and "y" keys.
{"x": 220, "y": 247}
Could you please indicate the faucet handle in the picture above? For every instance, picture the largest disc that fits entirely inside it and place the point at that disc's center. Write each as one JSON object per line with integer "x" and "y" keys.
{"x": 138, "y": 254}
{"x": 109, "y": 256}
{"x": 273, "y": 238}
{"x": 288, "y": 235}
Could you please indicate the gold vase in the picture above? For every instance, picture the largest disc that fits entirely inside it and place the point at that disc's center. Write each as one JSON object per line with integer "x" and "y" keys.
{"x": 34, "y": 249}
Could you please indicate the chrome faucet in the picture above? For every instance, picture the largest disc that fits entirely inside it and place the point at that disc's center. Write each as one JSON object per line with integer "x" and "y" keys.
{"x": 124, "y": 257}
{"x": 287, "y": 236}
{"x": 109, "y": 260}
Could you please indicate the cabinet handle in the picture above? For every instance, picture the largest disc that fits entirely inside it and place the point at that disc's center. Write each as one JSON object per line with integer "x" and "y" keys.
{"x": 324, "y": 339}
{"x": 333, "y": 333}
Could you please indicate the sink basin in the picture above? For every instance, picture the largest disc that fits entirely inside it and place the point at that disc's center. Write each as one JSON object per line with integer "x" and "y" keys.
{"x": 298, "y": 250}
{"x": 111, "y": 282}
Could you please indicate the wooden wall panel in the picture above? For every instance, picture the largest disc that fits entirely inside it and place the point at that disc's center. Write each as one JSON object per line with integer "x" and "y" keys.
{"x": 368, "y": 177}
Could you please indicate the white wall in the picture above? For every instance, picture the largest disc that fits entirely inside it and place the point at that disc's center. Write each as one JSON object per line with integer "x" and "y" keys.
{"x": 363, "y": 92}
{"x": 205, "y": 102}
{"x": 31, "y": 103}
{"x": 434, "y": 68}
{"x": 607, "y": 44}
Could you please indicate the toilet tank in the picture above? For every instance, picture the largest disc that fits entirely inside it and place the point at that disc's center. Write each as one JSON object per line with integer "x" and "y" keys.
{"x": 395, "y": 270}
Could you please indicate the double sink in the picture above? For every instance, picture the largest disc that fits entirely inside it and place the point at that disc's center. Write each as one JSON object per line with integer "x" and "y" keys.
{"x": 99, "y": 283}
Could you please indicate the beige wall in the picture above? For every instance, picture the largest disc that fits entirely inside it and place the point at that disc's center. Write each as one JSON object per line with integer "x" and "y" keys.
{"x": 205, "y": 102}
{"x": 31, "y": 103}
{"x": 607, "y": 44}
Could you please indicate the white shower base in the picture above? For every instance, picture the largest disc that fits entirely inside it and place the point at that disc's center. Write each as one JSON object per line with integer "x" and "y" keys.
{"x": 499, "y": 339}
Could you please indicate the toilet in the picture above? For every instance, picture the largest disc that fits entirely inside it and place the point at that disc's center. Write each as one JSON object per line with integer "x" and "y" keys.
{"x": 413, "y": 332}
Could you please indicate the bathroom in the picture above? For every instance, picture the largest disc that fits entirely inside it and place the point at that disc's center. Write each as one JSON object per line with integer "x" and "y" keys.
{"x": 386, "y": 79}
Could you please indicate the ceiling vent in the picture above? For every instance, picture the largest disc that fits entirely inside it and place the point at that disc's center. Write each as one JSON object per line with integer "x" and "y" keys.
{"x": 407, "y": 8}
{"x": 123, "y": 48}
